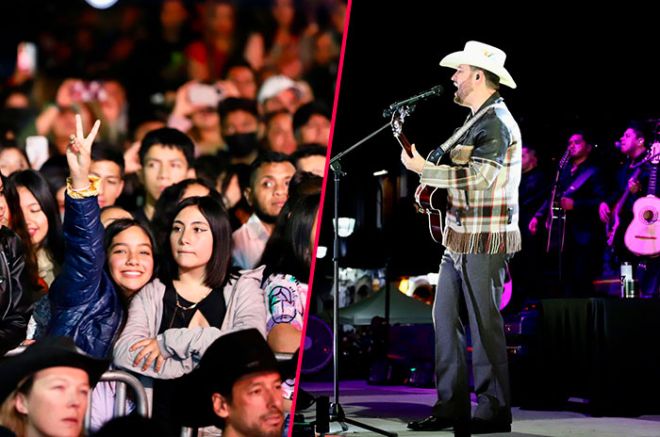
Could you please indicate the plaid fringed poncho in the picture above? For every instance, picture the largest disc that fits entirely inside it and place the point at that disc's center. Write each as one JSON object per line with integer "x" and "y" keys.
{"x": 482, "y": 178}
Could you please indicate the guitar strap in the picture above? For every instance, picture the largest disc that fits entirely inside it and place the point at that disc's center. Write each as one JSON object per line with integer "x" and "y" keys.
{"x": 439, "y": 151}
{"x": 584, "y": 177}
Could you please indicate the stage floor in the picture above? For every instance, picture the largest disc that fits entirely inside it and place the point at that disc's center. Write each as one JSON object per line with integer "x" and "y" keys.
{"x": 391, "y": 407}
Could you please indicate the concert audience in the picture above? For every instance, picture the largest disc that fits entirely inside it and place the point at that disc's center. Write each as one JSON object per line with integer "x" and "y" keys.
{"x": 137, "y": 81}
{"x": 175, "y": 318}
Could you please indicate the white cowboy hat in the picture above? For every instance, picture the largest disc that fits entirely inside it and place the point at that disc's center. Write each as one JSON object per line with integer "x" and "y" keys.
{"x": 483, "y": 56}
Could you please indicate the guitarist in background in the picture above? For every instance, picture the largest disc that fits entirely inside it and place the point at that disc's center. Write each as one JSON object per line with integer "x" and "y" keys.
{"x": 579, "y": 193}
{"x": 628, "y": 188}
{"x": 632, "y": 183}
{"x": 481, "y": 174}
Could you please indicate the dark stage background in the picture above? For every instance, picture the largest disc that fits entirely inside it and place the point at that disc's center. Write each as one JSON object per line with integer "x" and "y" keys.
{"x": 576, "y": 68}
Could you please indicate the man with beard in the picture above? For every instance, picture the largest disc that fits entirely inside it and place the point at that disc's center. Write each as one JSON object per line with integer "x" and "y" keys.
{"x": 481, "y": 172}
{"x": 632, "y": 178}
{"x": 267, "y": 193}
{"x": 237, "y": 387}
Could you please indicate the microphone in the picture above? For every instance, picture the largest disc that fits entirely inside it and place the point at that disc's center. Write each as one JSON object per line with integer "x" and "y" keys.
{"x": 435, "y": 91}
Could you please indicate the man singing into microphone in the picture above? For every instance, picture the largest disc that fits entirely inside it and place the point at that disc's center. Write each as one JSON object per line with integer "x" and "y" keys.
{"x": 481, "y": 172}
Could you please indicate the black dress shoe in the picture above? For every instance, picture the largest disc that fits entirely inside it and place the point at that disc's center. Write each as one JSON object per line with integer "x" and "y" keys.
{"x": 431, "y": 423}
{"x": 481, "y": 426}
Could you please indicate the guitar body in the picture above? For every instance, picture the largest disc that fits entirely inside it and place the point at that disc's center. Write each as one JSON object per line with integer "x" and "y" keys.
{"x": 556, "y": 221}
{"x": 643, "y": 234}
{"x": 431, "y": 201}
{"x": 556, "y": 230}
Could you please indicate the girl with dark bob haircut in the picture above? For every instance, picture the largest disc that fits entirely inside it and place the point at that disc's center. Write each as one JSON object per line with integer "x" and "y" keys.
{"x": 167, "y": 203}
{"x": 218, "y": 265}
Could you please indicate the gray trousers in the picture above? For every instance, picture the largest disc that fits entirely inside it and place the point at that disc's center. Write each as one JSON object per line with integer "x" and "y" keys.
{"x": 472, "y": 282}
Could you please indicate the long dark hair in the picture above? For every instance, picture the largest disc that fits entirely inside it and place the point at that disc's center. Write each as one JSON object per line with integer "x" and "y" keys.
{"x": 37, "y": 185}
{"x": 218, "y": 266}
{"x": 17, "y": 224}
{"x": 288, "y": 249}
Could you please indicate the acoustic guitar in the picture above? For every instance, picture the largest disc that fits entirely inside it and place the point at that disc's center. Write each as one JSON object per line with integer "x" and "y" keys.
{"x": 431, "y": 201}
{"x": 556, "y": 220}
{"x": 643, "y": 234}
{"x": 615, "y": 219}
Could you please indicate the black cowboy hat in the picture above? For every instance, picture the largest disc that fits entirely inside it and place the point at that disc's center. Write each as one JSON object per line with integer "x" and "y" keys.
{"x": 46, "y": 353}
{"x": 228, "y": 359}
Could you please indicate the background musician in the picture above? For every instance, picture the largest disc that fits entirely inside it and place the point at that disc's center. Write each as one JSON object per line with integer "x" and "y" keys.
{"x": 617, "y": 211}
{"x": 579, "y": 192}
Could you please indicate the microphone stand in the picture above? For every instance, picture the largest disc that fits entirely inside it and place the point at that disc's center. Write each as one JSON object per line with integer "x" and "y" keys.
{"x": 336, "y": 412}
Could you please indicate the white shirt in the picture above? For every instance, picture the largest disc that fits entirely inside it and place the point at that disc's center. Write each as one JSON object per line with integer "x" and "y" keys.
{"x": 249, "y": 243}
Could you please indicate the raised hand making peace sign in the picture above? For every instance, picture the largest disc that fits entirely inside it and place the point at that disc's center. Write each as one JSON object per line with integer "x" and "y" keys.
{"x": 78, "y": 154}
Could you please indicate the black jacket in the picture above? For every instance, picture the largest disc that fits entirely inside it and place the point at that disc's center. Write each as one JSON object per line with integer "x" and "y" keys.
{"x": 15, "y": 300}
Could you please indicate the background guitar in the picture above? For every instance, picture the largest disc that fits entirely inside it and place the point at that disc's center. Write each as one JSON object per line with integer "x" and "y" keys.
{"x": 642, "y": 235}
{"x": 556, "y": 221}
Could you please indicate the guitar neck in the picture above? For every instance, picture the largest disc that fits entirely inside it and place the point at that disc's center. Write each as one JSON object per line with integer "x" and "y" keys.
{"x": 653, "y": 176}
{"x": 655, "y": 160}
{"x": 624, "y": 197}
{"x": 401, "y": 138}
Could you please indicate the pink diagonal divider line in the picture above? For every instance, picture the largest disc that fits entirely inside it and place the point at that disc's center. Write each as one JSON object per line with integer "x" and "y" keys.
{"x": 320, "y": 220}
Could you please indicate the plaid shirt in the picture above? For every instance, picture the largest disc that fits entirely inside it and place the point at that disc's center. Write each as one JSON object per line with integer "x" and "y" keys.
{"x": 482, "y": 179}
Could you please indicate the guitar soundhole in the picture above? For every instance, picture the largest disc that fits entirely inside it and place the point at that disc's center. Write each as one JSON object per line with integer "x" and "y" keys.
{"x": 650, "y": 216}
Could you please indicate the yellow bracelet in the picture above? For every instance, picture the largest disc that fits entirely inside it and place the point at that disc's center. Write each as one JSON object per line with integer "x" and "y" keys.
{"x": 91, "y": 190}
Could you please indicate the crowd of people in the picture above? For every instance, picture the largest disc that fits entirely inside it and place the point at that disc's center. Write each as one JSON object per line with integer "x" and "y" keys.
{"x": 163, "y": 201}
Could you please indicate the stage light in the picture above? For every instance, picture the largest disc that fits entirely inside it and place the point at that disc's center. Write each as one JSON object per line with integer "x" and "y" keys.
{"x": 409, "y": 285}
{"x": 321, "y": 252}
{"x": 101, "y": 4}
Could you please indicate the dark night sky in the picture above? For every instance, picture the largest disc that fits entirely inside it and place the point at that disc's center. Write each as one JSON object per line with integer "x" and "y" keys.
{"x": 593, "y": 69}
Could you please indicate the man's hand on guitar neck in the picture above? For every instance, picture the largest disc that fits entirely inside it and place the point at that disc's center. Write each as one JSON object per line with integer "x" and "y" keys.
{"x": 604, "y": 212}
{"x": 567, "y": 204}
{"x": 634, "y": 186}
{"x": 533, "y": 226}
{"x": 415, "y": 163}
